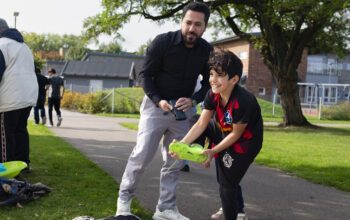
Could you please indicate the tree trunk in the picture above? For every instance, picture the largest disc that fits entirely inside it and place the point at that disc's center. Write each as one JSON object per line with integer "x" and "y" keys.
{"x": 289, "y": 94}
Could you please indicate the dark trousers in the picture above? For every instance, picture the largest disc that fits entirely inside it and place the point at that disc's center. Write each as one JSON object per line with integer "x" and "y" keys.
{"x": 230, "y": 177}
{"x": 39, "y": 108}
{"x": 14, "y": 135}
{"x": 56, "y": 103}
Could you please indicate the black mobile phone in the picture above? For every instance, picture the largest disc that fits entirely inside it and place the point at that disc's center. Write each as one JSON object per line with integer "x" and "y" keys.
{"x": 179, "y": 115}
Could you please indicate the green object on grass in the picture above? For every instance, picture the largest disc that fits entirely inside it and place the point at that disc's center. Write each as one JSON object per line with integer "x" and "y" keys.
{"x": 188, "y": 152}
{"x": 13, "y": 168}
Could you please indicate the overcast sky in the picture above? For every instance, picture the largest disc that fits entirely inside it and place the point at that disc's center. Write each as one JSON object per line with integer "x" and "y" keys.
{"x": 67, "y": 16}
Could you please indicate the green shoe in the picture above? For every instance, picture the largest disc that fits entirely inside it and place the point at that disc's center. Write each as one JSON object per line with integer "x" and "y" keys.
{"x": 188, "y": 152}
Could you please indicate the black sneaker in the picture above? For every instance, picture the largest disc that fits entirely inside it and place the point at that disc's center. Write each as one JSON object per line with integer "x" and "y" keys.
{"x": 43, "y": 120}
{"x": 59, "y": 121}
{"x": 185, "y": 168}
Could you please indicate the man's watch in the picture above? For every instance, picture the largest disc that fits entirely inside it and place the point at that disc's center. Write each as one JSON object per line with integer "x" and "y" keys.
{"x": 194, "y": 103}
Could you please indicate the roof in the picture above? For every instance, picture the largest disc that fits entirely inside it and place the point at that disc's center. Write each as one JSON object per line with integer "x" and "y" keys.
{"x": 105, "y": 65}
{"x": 57, "y": 65}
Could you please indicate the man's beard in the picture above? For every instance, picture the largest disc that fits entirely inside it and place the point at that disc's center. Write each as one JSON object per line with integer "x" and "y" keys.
{"x": 191, "y": 38}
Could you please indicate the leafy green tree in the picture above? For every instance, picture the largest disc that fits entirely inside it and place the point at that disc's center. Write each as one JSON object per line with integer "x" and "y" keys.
{"x": 112, "y": 47}
{"x": 142, "y": 49}
{"x": 38, "y": 63}
{"x": 287, "y": 28}
{"x": 74, "y": 45}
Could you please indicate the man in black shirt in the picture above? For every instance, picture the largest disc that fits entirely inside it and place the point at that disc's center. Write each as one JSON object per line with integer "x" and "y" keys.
{"x": 40, "y": 104}
{"x": 55, "y": 94}
{"x": 173, "y": 62}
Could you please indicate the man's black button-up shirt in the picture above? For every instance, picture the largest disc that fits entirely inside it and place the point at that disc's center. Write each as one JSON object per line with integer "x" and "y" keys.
{"x": 170, "y": 69}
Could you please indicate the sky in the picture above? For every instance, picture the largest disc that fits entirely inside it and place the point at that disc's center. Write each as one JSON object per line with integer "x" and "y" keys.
{"x": 67, "y": 16}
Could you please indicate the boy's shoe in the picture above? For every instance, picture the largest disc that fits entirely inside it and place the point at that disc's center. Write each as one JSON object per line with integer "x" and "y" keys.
{"x": 218, "y": 215}
{"x": 242, "y": 216}
{"x": 59, "y": 121}
{"x": 169, "y": 214}
{"x": 43, "y": 120}
{"x": 185, "y": 168}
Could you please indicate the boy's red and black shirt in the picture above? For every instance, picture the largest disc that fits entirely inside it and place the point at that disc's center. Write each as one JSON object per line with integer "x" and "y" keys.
{"x": 241, "y": 108}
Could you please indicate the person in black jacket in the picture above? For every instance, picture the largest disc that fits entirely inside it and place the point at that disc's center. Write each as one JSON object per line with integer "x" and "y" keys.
{"x": 40, "y": 104}
{"x": 173, "y": 62}
{"x": 55, "y": 94}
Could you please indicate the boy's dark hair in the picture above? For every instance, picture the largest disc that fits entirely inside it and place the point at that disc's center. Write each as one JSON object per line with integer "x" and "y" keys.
{"x": 198, "y": 7}
{"x": 225, "y": 62}
{"x": 52, "y": 70}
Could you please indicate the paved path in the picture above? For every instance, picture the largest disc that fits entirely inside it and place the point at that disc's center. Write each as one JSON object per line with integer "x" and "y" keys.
{"x": 269, "y": 194}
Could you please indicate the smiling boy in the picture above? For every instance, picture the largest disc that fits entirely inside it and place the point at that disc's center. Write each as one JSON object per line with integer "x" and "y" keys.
{"x": 235, "y": 132}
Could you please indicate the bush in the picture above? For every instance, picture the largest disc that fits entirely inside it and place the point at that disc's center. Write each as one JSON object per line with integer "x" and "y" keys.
{"x": 86, "y": 103}
{"x": 337, "y": 112}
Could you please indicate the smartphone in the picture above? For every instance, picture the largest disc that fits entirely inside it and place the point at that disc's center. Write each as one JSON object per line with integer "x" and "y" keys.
{"x": 179, "y": 115}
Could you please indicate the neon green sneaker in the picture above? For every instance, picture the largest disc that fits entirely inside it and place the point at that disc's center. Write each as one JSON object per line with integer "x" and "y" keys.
{"x": 188, "y": 152}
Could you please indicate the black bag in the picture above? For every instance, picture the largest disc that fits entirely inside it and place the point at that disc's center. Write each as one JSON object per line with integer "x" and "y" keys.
{"x": 13, "y": 191}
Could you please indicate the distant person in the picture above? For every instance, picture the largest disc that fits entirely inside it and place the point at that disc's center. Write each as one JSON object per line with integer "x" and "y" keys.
{"x": 18, "y": 93}
{"x": 40, "y": 104}
{"x": 235, "y": 132}
{"x": 172, "y": 64}
{"x": 55, "y": 93}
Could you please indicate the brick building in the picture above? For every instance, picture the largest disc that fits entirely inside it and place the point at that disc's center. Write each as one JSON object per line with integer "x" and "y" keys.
{"x": 256, "y": 77}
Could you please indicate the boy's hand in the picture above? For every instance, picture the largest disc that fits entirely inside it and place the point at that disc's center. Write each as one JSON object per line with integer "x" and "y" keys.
{"x": 173, "y": 154}
{"x": 210, "y": 155}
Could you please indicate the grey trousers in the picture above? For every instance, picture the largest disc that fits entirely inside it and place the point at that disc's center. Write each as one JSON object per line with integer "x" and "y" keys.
{"x": 154, "y": 125}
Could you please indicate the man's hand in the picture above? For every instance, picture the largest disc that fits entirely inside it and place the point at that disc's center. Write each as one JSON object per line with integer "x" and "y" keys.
{"x": 165, "y": 106}
{"x": 183, "y": 104}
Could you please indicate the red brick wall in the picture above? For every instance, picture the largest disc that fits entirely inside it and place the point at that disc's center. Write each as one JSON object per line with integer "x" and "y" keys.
{"x": 259, "y": 76}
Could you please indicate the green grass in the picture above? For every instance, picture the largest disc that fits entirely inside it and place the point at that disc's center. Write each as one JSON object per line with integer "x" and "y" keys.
{"x": 319, "y": 155}
{"x": 79, "y": 187}
{"x": 129, "y": 125}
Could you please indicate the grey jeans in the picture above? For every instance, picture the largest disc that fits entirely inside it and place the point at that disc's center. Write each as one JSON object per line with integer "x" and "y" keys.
{"x": 154, "y": 125}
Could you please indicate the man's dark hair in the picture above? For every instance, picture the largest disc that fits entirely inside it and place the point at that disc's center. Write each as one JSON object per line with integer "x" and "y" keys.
{"x": 225, "y": 62}
{"x": 198, "y": 7}
{"x": 52, "y": 70}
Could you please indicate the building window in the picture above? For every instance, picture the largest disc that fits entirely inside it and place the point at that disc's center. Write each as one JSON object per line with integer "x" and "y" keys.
{"x": 262, "y": 91}
{"x": 243, "y": 55}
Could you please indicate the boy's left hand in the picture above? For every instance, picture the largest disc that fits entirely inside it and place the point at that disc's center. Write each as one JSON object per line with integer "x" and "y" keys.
{"x": 210, "y": 155}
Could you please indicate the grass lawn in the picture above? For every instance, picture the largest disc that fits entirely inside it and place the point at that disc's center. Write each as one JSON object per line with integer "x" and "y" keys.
{"x": 320, "y": 156}
{"x": 79, "y": 187}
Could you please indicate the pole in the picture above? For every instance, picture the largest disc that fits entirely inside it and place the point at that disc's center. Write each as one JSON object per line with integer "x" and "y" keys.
{"x": 113, "y": 101}
{"x": 273, "y": 105}
{"x": 319, "y": 109}
{"x": 16, "y": 13}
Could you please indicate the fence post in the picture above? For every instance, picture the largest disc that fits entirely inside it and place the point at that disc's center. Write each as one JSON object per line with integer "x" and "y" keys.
{"x": 113, "y": 100}
{"x": 319, "y": 108}
{"x": 273, "y": 105}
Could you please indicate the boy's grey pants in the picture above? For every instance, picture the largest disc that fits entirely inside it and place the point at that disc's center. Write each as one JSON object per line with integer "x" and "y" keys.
{"x": 153, "y": 126}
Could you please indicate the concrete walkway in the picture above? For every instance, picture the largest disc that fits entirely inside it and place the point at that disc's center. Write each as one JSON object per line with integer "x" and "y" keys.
{"x": 269, "y": 194}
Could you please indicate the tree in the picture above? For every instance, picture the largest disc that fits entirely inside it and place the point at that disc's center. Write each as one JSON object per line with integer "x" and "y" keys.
{"x": 74, "y": 45}
{"x": 287, "y": 28}
{"x": 112, "y": 47}
{"x": 142, "y": 49}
